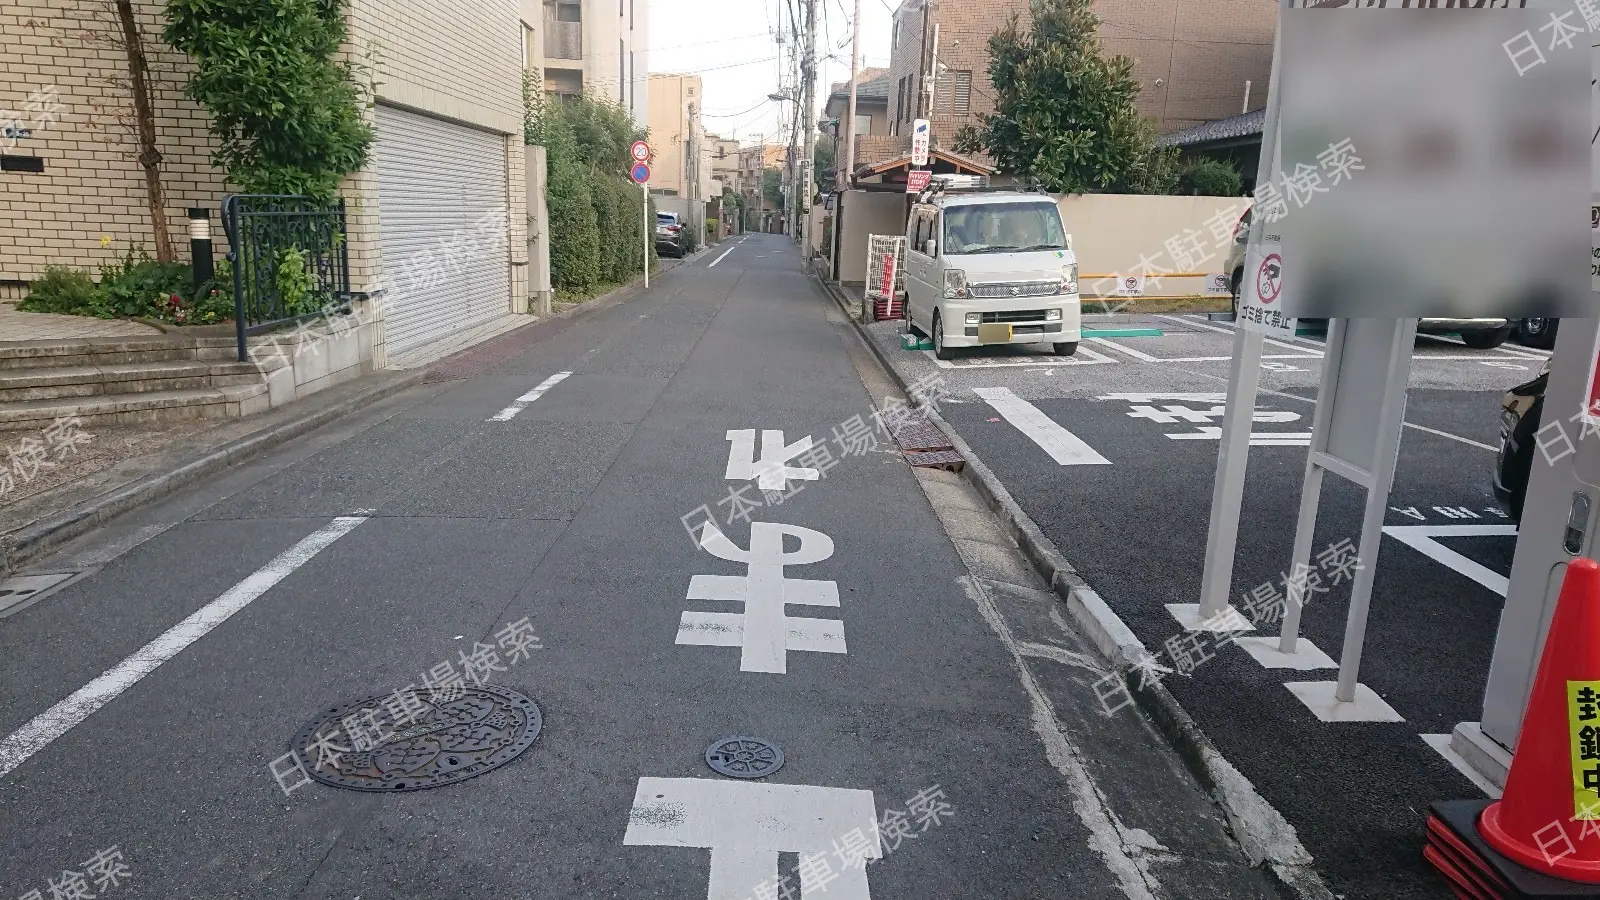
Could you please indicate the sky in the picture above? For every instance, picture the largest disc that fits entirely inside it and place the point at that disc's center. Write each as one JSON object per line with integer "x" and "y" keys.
{"x": 730, "y": 45}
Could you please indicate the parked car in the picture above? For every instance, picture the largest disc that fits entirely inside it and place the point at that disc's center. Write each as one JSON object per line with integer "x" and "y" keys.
{"x": 1520, "y": 410}
{"x": 1539, "y": 333}
{"x": 989, "y": 267}
{"x": 669, "y": 234}
{"x": 1477, "y": 333}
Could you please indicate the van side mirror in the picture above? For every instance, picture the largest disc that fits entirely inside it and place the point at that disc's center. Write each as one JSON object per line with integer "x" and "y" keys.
{"x": 932, "y": 247}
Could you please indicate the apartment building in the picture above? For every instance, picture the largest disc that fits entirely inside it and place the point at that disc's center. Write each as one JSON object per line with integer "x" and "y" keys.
{"x": 447, "y": 165}
{"x": 1192, "y": 58}
{"x": 724, "y": 156}
{"x": 600, "y": 48}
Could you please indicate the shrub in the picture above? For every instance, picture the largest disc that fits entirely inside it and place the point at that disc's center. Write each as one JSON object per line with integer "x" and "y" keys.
{"x": 66, "y": 290}
{"x": 1212, "y": 178}
{"x": 139, "y": 286}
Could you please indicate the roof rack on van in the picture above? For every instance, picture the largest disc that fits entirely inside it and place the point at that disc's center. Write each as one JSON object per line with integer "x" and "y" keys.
{"x": 945, "y": 183}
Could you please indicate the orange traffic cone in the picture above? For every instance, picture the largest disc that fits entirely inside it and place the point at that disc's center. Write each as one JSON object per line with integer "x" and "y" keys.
{"x": 1549, "y": 818}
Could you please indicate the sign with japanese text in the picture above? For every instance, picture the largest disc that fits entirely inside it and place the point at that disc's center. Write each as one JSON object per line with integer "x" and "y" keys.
{"x": 917, "y": 180}
{"x": 1584, "y": 729}
{"x": 1261, "y": 290}
{"x": 921, "y": 134}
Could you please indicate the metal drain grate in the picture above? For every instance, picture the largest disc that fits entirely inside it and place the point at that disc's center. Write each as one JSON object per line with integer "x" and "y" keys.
{"x": 744, "y": 757}
{"x": 920, "y": 435}
{"x": 22, "y": 590}
{"x": 443, "y": 743}
{"x": 948, "y": 460}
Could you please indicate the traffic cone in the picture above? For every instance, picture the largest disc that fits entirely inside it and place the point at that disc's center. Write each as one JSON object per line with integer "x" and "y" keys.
{"x": 1549, "y": 817}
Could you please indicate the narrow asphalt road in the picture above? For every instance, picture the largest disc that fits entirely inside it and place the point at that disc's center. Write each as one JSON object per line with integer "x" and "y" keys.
{"x": 540, "y": 526}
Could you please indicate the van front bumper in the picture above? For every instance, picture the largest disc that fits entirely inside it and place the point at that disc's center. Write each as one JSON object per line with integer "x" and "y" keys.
{"x": 1027, "y": 318}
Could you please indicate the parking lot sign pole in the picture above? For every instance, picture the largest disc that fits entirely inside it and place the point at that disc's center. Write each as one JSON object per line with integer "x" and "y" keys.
{"x": 1244, "y": 380}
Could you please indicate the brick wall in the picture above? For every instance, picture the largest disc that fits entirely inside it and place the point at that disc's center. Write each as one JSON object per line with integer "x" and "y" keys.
{"x": 92, "y": 185}
{"x": 1202, "y": 51}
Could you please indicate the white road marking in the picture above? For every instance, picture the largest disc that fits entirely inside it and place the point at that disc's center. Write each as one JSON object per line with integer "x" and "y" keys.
{"x": 1257, "y": 438}
{"x": 746, "y": 825}
{"x": 1063, "y": 446}
{"x": 1453, "y": 437}
{"x": 1229, "y": 331}
{"x": 1422, "y": 538}
{"x": 764, "y": 631}
{"x": 771, "y": 472}
{"x": 1084, "y": 357}
{"x": 521, "y": 403}
{"x": 61, "y": 718}
{"x": 719, "y": 259}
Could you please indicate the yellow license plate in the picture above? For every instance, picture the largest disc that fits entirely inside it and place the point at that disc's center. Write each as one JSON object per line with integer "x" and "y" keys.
{"x": 994, "y": 333}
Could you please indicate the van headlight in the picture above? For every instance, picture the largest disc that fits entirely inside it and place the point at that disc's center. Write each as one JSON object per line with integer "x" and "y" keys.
{"x": 1069, "y": 278}
{"x": 955, "y": 283}
{"x": 1052, "y": 315}
{"x": 974, "y": 318}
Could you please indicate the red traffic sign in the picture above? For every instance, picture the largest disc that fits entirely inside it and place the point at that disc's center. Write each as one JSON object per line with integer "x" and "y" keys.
{"x": 640, "y": 173}
{"x": 917, "y": 180}
{"x": 640, "y": 151}
{"x": 1269, "y": 278}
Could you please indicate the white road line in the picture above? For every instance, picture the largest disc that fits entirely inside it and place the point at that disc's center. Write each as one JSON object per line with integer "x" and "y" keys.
{"x": 1084, "y": 357}
{"x": 1140, "y": 355}
{"x": 1453, "y": 437}
{"x": 59, "y": 719}
{"x": 720, "y": 259}
{"x": 1063, "y": 446}
{"x": 1229, "y": 331}
{"x": 1422, "y": 538}
{"x": 521, "y": 403}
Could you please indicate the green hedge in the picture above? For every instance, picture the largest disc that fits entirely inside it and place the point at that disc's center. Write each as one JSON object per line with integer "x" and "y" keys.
{"x": 597, "y": 215}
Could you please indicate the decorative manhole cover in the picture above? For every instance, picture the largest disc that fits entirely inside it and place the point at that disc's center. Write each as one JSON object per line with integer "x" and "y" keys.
{"x": 431, "y": 744}
{"x": 744, "y": 757}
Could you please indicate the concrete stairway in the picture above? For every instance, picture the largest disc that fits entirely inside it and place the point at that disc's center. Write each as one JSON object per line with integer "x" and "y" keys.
{"x": 128, "y": 381}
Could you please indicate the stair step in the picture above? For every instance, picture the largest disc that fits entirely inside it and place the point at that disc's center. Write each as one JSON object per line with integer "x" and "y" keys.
{"x": 47, "y": 382}
{"x": 136, "y": 408}
{"x": 110, "y": 351}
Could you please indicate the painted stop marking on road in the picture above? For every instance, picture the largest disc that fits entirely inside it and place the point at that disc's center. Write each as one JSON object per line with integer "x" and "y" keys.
{"x": 1269, "y": 278}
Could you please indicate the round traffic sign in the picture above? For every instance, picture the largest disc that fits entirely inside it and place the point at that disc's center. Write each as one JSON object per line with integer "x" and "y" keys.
{"x": 640, "y": 151}
{"x": 640, "y": 173}
{"x": 1269, "y": 278}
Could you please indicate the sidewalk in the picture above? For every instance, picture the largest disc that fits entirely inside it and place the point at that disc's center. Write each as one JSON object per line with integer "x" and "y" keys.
{"x": 120, "y": 468}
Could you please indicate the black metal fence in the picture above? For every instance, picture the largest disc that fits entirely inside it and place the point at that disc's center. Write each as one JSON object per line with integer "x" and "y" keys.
{"x": 290, "y": 260}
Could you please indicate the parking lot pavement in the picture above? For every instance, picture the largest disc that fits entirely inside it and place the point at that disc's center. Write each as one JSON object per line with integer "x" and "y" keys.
{"x": 1113, "y": 454}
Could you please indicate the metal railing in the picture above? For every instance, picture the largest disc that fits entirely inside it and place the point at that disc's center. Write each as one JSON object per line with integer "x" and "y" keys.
{"x": 290, "y": 260}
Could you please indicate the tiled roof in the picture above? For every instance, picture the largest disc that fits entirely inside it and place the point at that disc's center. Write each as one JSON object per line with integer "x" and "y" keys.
{"x": 1238, "y": 126}
{"x": 873, "y": 88}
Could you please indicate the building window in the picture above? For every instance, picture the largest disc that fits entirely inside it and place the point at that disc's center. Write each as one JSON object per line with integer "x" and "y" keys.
{"x": 569, "y": 12}
{"x": 622, "y": 67}
{"x": 631, "y": 26}
{"x": 894, "y": 36}
{"x": 961, "y": 93}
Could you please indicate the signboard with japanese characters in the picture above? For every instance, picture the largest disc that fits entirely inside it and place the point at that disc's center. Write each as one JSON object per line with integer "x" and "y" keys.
{"x": 1261, "y": 290}
{"x": 1217, "y": 283}
{"x": 917, "y": 180}
{"x": 1130, "y": 286}
{"x": 920, "y": 135}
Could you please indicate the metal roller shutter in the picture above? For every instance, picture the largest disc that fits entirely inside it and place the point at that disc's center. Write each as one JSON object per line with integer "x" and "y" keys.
{"x": 440, "y": 186}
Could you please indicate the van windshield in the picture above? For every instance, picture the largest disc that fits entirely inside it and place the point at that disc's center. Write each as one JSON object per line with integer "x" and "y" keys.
{"x": 1003, "y": 228}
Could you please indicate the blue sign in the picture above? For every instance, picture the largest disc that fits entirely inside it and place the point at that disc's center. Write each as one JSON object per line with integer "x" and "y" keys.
{"x": 640, "y": 173}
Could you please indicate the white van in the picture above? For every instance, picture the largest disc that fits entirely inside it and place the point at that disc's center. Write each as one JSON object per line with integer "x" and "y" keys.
{"x": 990, "y": 267}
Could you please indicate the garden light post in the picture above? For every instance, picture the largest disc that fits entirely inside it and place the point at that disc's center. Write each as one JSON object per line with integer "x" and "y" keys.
{"x": 200, "y": 247}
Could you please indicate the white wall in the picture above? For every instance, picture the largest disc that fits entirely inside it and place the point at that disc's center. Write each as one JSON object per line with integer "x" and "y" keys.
{"x": 866, "y": 213}
{"x": 1115, "y": 233}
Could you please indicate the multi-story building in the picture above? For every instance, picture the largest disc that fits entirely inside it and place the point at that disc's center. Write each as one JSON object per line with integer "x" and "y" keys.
{"x": 1192, "y": 58}
{"x": 599, "y": 48}
{"x": 753, "y": 163}
{"x": 681, "y": 177}
{"x": 446, "y": 168}
{"x": 724, "y": 155}
{"x": 872, "y": 114}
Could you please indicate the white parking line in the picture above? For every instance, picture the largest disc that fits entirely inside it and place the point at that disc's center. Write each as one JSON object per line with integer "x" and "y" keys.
{"x": 1084, "y": 357}
{"x": 1229, "y": 331}
{"x": 1453, "y": 437}
{"x": 720, "y": 259}
{"x": 1422, "y": 538}
{"x": 521, "y": 403}
{"x": 59, "y": 719}
{"x": 1063, "y": 446}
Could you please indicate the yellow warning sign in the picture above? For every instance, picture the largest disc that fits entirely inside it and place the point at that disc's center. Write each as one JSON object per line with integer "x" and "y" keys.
{"x": 1583, "y": 728}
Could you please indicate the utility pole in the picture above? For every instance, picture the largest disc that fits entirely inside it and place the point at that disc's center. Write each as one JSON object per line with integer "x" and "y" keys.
{"x": 850, "y": 112}
{"x": 808, "y": 71}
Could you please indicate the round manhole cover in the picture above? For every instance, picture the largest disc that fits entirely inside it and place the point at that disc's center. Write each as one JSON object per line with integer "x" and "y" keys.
{"x": 380, "y": 744}
{"x": 744, "y": 757}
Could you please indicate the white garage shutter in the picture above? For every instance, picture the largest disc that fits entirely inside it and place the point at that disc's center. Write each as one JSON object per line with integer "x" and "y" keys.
{"x": 441, "y": 214}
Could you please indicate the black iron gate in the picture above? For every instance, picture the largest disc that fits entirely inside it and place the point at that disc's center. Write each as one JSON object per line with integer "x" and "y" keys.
{"x": 290, "y": 260}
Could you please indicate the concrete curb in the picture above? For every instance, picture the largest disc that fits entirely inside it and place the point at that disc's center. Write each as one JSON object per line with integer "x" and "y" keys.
{"x": 32, "y": 541}
{"x": 1263, "y": 833}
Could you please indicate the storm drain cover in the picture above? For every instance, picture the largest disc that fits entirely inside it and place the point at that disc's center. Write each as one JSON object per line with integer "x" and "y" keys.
{"x": 744, "y": 757}
{"x": 380, "y": 745}
{"x": 948, "y": 460}
{"x": 24, "y": 589}
{"x": 920, "y": 434}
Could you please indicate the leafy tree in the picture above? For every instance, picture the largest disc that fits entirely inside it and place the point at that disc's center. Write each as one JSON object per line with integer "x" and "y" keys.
{"x": 1065, "y": 114}
{"x": 1212, "y": 178}
{"x": 772, "y": 187}
{"x": 285, "y": 110}
{"x": 144, "y": 119}
{"x": 826, "y": 159}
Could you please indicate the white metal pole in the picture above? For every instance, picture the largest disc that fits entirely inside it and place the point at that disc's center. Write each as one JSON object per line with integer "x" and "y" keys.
{"x": 1246, "y": 97}
{"x": 1311, "y": 485}
{"x": 1386, "y": 457}
{"x": 644, "y": 190}
{"x": 1244, "y": 380}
